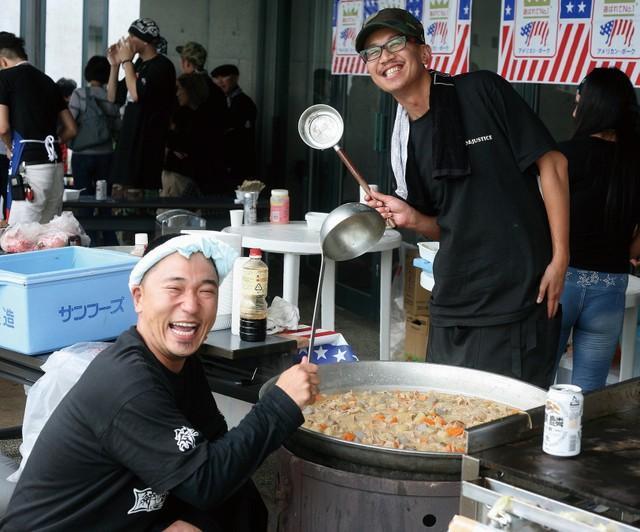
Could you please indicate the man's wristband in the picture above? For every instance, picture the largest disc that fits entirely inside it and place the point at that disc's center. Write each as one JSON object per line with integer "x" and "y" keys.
{"x": 127, "y": 61}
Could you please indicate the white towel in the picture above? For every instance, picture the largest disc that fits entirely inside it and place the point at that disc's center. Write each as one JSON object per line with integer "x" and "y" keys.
{"x": 399, "y": 143}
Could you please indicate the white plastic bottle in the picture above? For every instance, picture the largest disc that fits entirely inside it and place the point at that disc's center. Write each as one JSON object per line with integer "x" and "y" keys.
{"x": 279, "y": 211}
{"x": 253, "y": 303}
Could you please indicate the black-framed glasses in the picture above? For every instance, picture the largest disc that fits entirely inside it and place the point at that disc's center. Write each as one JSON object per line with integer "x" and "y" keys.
{"x": 393, "y": 46}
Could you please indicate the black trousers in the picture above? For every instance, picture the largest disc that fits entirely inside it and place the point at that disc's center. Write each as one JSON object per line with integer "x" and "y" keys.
{"x": 244, "y": 511}
{"x": 525, "y": 350}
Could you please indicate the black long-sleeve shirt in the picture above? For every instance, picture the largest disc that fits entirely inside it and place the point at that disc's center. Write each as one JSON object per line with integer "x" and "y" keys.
{"x": 131, "y": 432}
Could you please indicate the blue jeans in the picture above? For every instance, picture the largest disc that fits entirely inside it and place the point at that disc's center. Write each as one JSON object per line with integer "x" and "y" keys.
{"x": 593, "y": 305}
{"x": 87, "y": 169}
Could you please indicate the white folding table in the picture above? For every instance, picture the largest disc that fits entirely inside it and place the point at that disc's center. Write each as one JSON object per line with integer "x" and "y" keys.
{"x": 295, "y": 239}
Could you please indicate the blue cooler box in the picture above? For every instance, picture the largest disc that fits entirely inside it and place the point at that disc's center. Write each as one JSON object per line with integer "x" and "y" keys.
{"x": 57, "y": 297}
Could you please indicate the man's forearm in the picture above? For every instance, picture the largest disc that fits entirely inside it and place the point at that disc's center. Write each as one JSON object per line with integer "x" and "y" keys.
{"x": 634, "y": 251}
{"x": 427, "y": 226}
{"x": 555, "y": 190}
{"x": 112, "y": 84}
{"x": 131, "y": 80}
{"x": 6, "y": 139}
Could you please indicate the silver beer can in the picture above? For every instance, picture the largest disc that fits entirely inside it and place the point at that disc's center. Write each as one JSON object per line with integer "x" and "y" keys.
{"x": 563, "y": 420}
{"x": 101, "y": 189}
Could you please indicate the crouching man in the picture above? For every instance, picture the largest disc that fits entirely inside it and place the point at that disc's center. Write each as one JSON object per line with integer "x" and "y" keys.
{"x": 138, "y": 443}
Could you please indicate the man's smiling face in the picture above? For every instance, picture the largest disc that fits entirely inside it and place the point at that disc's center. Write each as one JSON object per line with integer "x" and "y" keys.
{"x": 176, "y": 304}
{"x": 397, "y": 72}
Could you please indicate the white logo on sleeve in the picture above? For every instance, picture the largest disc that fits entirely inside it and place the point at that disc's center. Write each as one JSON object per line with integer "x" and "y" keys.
{"x": 186, "y": 438}
{"x": 147, "y": 500}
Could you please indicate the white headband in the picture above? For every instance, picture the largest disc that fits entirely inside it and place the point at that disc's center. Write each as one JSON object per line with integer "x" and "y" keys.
{"x": 220, "y": 253}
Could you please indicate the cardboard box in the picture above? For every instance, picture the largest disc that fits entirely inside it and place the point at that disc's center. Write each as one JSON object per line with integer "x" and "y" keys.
{"x": 416, "y": 337}
{"x": 416, "y": 298}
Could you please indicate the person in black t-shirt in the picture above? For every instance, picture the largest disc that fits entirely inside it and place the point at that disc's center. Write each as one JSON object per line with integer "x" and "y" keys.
{"x": 465, "y": 153}
{"x": 138, "y": 443}
{"x": 210, "y": 167}
{"x": 31, "y": 107}
{"x": 148, "y": 90}
{"x": 240, "y": 130}
{"x": 604, "y": 176}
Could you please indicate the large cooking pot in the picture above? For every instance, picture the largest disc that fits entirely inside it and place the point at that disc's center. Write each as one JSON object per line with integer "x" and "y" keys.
{"x": 370, "y": 459}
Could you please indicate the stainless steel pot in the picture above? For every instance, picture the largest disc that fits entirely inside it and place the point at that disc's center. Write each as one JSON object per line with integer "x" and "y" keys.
{"x": 352, "y": 456}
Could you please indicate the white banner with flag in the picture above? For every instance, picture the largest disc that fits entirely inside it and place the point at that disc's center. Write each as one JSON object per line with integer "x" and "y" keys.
{"x": 447, "y": 25}
{"x": 561, "y": 41}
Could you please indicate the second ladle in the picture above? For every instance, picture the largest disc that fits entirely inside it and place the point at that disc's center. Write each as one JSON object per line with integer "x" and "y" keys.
{"x": 320, "y": 127}
{"x": 349, "y": 231}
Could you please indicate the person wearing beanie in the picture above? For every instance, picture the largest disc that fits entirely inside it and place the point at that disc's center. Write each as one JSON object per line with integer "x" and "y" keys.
{"x": 148, "y": 93}
{"x": 239, "y": 137}
{"x": 139, "y": 443}
{"x": 466, "y": 152}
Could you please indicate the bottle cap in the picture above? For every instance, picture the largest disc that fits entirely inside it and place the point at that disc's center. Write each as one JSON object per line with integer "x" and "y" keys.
{"x": 255, "y": 252}
{"x": 279, "y": 192}
{"x": 141, "y": 239}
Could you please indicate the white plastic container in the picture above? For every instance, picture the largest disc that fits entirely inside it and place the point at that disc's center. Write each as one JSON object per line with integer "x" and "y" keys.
{"x": 141, "y": 241}
{"x": 428, "y": 250}
{"x": 315, "y": 220}
{"x": 57, "y": 297}
{"x": 279, "y": 211}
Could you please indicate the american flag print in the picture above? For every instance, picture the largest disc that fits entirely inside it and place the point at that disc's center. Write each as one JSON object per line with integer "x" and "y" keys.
{"x": 330, "y": 347}
{"x": 539, "y": 28}
{"x": 437, "y": 30}
{"x": 348, "y": 35}
{"x": 450, "y": 51}
{"x": 626, "y": 28}
{"x": 330, "y": 354}
{"x": 349, "y": 17}
{"x": 586, "y": 37}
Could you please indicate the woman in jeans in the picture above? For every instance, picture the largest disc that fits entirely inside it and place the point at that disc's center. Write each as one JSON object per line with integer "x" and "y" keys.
{"x": 604, "y": 174}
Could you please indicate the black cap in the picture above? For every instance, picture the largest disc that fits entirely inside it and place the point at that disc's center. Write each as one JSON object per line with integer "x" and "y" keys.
{"x": 394, "y": 18}
{"x": 225, "y": 70}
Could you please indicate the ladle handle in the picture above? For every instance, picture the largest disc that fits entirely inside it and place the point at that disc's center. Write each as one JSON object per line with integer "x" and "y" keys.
{"x": 315, "y": 309}
{"x": 352, "y": 169}
{"x": 358, "y": 177}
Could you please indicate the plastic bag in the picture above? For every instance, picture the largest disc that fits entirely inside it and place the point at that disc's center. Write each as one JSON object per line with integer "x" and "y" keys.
{"x": 397, "y": 330}
{"x": 281, "y": 315}
{"x": 31, "y": 236}
{"x": 62, "y": 370}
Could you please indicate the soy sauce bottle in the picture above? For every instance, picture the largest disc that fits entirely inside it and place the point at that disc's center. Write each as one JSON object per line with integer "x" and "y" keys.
{"x": 253, "y": 305}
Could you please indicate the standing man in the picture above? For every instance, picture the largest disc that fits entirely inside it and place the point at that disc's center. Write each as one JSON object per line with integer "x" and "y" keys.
{"x": 138, "y": 443}
{"x": 240, "y": 130}
{"x": 31, "y": 107}
{"x": 148, "y": 89}
{"x": 193, "y": 57}
{"x": 466, "y": 151}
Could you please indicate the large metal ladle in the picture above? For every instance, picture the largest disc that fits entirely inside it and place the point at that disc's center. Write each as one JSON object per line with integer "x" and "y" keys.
{"x": 349, "y": 231}
{"x": 320, "y": 127}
